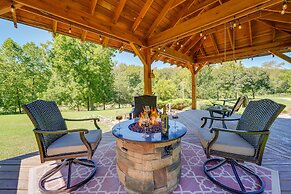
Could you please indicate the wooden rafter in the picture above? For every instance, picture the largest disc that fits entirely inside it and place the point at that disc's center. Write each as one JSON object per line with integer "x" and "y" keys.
{"x": 77, "y": 18}
{"x": 192, "y": 43}
{"x": 160, "y": 17}
{"x": 118, "y": 11}
{"x": 245, "y": 52}
{"x": 281, "y": 55}
{"x": 214, "y": 42}
{"x": 55, "y": 26}
{"x": 251, "y": 33}
{"x": 84, "y": 35}
{"x": 198, "y": 7}
{"x": 141, "y": 15}
{"x": 177, "y": 3}
{"x": 198, "y": 45}
{"x": 277, "y": 18}
{"x": 202, "y": 50}
{"x": 93, "y": 6}
{"x": 187, "y": 43}
{"x": 270, "y": 24}
{"x": 212, "y": 18}
{"x": 105, "y": 42}
{"x": 274, "y": 35}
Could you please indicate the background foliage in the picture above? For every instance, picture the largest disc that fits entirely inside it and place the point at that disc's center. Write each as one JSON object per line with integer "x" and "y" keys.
{"x": 83, "y": 76}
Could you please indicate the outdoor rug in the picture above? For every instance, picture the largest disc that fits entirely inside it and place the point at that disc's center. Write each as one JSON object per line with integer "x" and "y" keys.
{"x": 193, "y": 180}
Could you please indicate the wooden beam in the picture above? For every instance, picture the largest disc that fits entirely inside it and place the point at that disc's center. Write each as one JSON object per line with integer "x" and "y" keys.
{"x": 138, "y": 53}
{"x": 267, "y": 23}
{"x": 93, "y": 6}
{"x": 278, "y": 18}
{"x": 200, "y": 67}
{"x": 191, "y": 44}
{"x": 251, "y": 33}
{"x": 274, "y": 35}
{"x": 281, "y": 55}
{"x": 14, "y": 18}
{"x": 212, "y": 18}
{"x": 160, "y": 17}
{"x": 246, "y": 52}
{"x": 6, "y": 6}
{"x": 118, "y": 11}
{"x": 187, "y": 43}
{"x": 141, "y": 15}
{"x": 78, "y": 18}
{"x": 84, "y": 35}
{"x": 177, "y": 3}
{"x": 202, "y": 50}
{"x": 105, "y": 42}
{"x": 177, "y": 55}
{"x": 199, "y": 7}
{"x": 214, "y": 42}
{"x": 55, "y": 26}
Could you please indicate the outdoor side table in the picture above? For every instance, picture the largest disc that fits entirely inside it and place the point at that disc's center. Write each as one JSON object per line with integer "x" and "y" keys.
{"x": 223, "y": 110}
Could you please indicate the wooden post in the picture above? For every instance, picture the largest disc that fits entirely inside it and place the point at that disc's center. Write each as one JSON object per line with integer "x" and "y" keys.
{"x": 193, "y": 73}
{"x": 147, "y": 73}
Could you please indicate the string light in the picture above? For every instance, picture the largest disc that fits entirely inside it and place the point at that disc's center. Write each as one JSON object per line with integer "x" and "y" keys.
{"x": 204, "y": 37}
{"x": 283, "y": 12}
{"x": 159, "y": 48}
{"x": 234, "y": 24}
{"x": 284, "y": 7}
{"x": 140, "y": 48}
{"x": 164, "y": 49}
{"x": 239, "y": 25}
{"x": 201, "y": 34}
{"x": 177, "y": 43}
{"x": 182, "y": 45}
{"x": 100, "y": 38}
{"x": 70, "y": 29}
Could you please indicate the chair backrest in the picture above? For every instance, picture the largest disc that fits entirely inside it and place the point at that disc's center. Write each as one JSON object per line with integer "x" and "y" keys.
{"x": 45, "y": 115}
{"x": 237, "y": 104}
{"x": 141, "y": 101}
{"x": 258, "y": 116}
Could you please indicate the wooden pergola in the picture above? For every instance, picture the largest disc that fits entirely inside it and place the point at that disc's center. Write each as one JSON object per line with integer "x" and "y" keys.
{"x": 186, "y": 33}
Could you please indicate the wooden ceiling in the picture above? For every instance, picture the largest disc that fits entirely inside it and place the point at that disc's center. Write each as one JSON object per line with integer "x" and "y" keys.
{"x": 181, "y": 32}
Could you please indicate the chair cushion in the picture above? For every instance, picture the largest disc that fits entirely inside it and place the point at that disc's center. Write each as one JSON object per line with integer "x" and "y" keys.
{"x": 71, "y": 143}
{"x": 227, "y": 142}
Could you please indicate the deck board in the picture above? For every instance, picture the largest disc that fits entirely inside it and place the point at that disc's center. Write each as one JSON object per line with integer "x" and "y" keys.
{"x": 14, "y": 171}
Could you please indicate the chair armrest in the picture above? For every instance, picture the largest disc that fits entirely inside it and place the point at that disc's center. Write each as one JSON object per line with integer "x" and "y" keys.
{"x": 86, "y": 119}
{"x": 61, "y": 131}
{"x": 217, "y": 119}
{"x": 266, "y": 132}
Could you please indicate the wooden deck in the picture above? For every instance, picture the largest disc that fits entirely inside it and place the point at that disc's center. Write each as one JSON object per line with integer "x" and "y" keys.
{"x": 14, "y": 172}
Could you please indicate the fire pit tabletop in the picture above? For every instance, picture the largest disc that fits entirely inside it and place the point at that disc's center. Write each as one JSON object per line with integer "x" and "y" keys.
{"x": 176, "y": 131}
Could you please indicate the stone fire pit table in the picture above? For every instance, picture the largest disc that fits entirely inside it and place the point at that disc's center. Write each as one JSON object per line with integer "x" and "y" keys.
{"x": 148, "y": 164}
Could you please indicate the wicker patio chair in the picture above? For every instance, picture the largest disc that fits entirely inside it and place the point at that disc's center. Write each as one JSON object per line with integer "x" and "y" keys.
{"x": 140, "y": 102}
{"x": 224, "y": 111}
{"x": 245, "y": 143}
{"x": 56, "y": 142}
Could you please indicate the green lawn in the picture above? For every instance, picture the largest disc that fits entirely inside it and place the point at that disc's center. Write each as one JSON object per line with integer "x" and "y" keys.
{"x": 16, "y": 136}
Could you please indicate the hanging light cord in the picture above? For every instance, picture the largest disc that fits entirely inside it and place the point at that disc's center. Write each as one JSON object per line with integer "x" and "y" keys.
{"x": 224, "y": 42}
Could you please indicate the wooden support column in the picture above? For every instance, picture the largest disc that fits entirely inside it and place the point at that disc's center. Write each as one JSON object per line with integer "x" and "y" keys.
{"x": 146, "y": 61}
{"x": 194, "y": 99}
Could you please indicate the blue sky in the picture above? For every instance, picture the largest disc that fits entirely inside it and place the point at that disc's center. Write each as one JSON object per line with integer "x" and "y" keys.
{"x": 24, "y": 34}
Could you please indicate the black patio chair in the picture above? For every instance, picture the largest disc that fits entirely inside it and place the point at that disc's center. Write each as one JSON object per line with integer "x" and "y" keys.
{"x": 224, "y": 111}
{"x": 245, "y": 143}
{"x": 140, "y": 102}
{"x": 56, "y": 142}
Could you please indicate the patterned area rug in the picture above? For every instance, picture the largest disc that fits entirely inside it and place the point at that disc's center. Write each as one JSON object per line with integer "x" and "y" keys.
{"x": 193, "y": 179}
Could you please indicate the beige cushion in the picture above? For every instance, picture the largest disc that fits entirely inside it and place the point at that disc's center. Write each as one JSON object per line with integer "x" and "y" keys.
{"x": 227, "y": 142}
{"x": 71, "y": 142}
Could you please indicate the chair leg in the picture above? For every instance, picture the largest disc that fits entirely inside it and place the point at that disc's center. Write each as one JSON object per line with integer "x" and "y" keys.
{"x": 234, "y": 164}
{"x": 67, "y": 163}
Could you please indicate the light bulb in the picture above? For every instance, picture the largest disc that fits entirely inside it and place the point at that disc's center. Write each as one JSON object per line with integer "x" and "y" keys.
{"x": 204, "y": 37}
{"x": 182, "y": 45}
{"x": 159, "y": 48}
{"x": 201, "y": 34}
{"x": 70, "y": 30}
{"x": 239, "y": 26}
{"x": 164, "y": 49}
{"x": 100, "y": 37}
{"x": 283, "y": 12}
{"x": 177, "y": 43}
{"x": 12, "y": 8}
{"x": 140, "y": 48}
{"x": 234, "y": 24}
{"x": 284, "y": 6}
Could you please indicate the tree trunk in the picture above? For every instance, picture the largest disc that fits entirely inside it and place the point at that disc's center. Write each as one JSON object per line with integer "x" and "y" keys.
{"x": 104, "y": 105}
{"x": 18, "y": 101}
{"x": 253, "y": 92}
{"x": 88, "y": 104}
{"x": 118, "y": 100}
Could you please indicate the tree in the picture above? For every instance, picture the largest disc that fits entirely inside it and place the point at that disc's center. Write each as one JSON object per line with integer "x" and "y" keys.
{"x": 255, "y": 79}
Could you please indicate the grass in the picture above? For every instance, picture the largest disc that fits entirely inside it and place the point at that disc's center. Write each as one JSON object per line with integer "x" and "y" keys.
{"x": 17, "y": 138}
